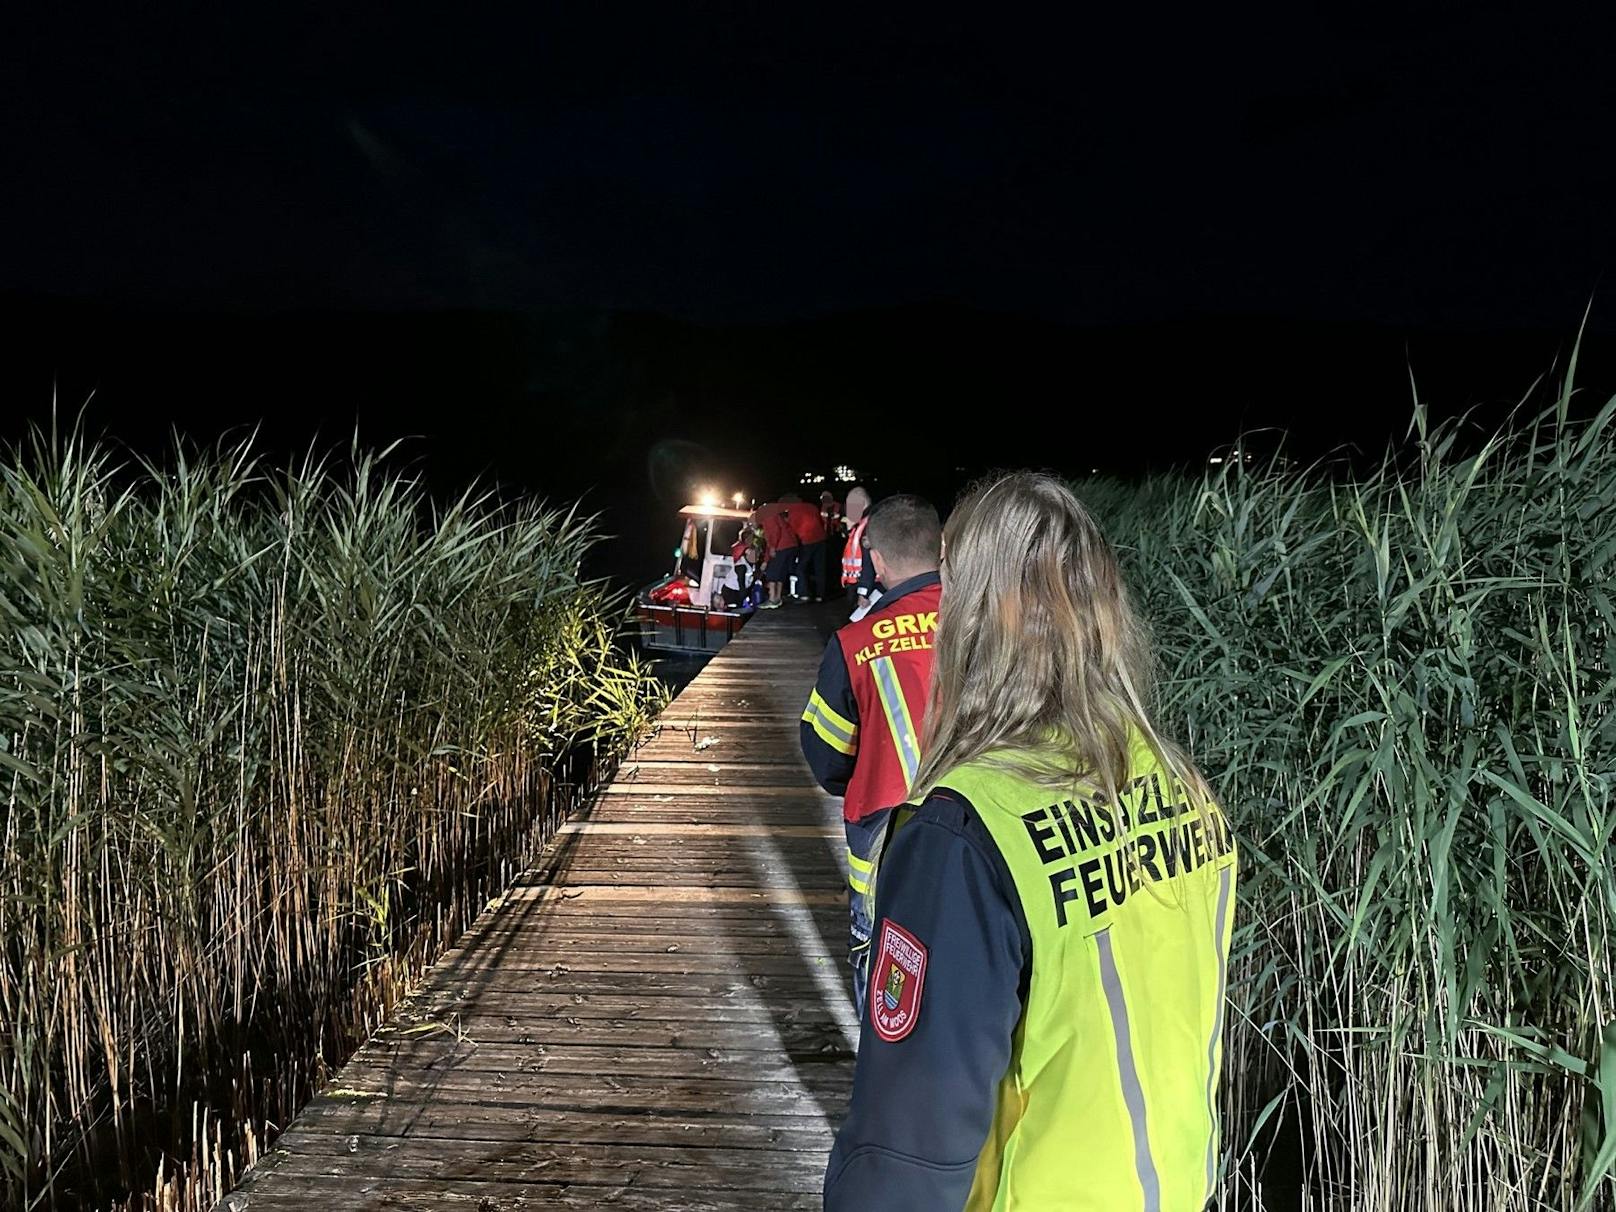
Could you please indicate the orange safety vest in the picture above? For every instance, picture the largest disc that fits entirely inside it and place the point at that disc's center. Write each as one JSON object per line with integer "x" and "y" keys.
{"x": 853, "y": 554}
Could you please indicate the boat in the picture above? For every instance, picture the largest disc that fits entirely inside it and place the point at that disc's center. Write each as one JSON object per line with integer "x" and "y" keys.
{"x": 687, "y": 611}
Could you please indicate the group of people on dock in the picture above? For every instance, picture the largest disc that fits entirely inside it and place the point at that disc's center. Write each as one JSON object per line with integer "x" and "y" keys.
{"x": 800, "y": 551}
{"x": 1041, "y": 883}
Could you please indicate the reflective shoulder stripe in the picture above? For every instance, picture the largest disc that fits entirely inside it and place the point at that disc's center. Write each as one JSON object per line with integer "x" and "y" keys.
{"x": 859, "y": 872}
{"x": 840, "y": 734}
{"x": 1225, "y": 880}
{"x": 818, "y": 706}
{"x": 896, "y": 710}
{"x": 1133, "y": 1094}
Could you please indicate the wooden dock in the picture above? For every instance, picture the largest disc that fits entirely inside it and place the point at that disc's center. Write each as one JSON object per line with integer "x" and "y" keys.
{"x": 655, "y": 1017}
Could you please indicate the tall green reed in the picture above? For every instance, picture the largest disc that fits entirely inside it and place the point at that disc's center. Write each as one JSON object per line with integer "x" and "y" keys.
{"x": 1402, "y": 684}
{"x": 268, "y": 739}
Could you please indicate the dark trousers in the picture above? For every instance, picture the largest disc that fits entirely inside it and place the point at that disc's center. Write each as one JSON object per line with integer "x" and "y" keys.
{"x": 811, "y": 571}
{"x": 862, "y": 839}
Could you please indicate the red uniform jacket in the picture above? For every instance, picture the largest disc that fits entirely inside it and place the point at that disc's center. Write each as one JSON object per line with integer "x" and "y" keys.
{"x": 861, "y": 730}
{"x": 806, "y": 521}
{"x": 777, "y": 532}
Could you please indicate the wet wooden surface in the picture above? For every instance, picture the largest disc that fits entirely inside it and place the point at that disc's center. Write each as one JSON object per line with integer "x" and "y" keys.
{"x": 655, "y": 1017}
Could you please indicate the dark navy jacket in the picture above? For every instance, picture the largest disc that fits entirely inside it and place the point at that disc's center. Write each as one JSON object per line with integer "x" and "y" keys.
{"x": 922, "y": 1107}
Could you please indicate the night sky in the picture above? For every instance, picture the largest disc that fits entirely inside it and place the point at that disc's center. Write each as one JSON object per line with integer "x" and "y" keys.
{"x": 612, "y": 249}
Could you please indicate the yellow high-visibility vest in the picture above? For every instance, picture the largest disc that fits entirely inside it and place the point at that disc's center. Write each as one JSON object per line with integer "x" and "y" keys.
{"x": 1110, "y": 1101}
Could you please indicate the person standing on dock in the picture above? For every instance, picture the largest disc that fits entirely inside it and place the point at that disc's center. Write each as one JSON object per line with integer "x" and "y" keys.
{"x": 858, "y": 575}
{"x": 830, "y": 512}
{"x": 781, "y": 544}
{"x": 808, "y": 524}
{"x": 1047, "y": 1000}
{"x": 861, "y": 728}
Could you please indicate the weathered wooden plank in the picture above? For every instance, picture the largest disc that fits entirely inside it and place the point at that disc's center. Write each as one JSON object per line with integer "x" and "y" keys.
{"x": 780, "y": 876}
{"x": 605, "y": 904}
{"x": 634, "y": 785}
{"x": 789, "y": 1040}
{"x": 608, "y": 1092}
{"x": 807, "y": 984}
{"x": 772, "y": 752}
{"x": 673, "y": 868}
{"x": 367, "y": 1156}
{"x": 736, "y": 939}
{"x": 699, "y": 831}
{"x": 607, "y": 960}
{"x": 725, "y": 718}
{"x": 689, "y": 844}
{"x": 693, "y": 1012}
{"x": 658, "y": 897}
{"x": 738, "y": 779}
{"x": 827, "y": 941}
{"x": 716, "y": 806}
{"x": 420, "y": 1054}
{"x": 650, "y": 811}
{"x": 482, "y": 1026}
{"x": 811, "y": 855}
{"x": 492, "y": 1119}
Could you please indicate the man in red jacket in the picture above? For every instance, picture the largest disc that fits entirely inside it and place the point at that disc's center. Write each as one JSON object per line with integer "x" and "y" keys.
{"x": 861, "y": 730}
{"x": 781, "y": 545}
{"x": 808, "y": 524}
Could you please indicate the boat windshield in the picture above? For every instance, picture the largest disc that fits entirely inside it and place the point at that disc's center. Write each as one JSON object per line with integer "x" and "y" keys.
{"x": 726, "y": 531}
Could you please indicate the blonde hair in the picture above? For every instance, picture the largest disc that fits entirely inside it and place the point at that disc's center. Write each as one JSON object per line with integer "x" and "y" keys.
{"x": 1041, "y": 666}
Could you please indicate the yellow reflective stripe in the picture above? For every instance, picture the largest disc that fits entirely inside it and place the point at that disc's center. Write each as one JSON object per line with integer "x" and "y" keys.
{"x": 860, "y": 873}
{"x": 818, "y": 705}
{"x": 830, "y": 727}
{"x": 897, "y": 713}
{"x": 830, "y": 738}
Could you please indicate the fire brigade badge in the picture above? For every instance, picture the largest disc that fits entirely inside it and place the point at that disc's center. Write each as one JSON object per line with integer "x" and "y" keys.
{"x": 896, "y": 979}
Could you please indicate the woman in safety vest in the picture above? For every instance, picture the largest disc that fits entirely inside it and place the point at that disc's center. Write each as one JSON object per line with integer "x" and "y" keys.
{"x": 1053, "y": 910}
{"x": 858, "y": 576}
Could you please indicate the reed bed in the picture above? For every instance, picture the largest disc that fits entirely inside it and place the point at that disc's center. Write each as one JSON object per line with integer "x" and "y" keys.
{"x": 269, "y": 738}
{"x": 1402, "y": 684}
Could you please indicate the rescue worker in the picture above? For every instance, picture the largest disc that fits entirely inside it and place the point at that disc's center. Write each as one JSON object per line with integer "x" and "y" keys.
{"x": 1054, "y": 908}
{"x": 744, "y": 566}
{"x": 830, "y": 510}
{"x": 808, "y": 524}
{"x": 781, "y": 545}
{"x": 861, "y": 728}
{"x": 858, "y": 574}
